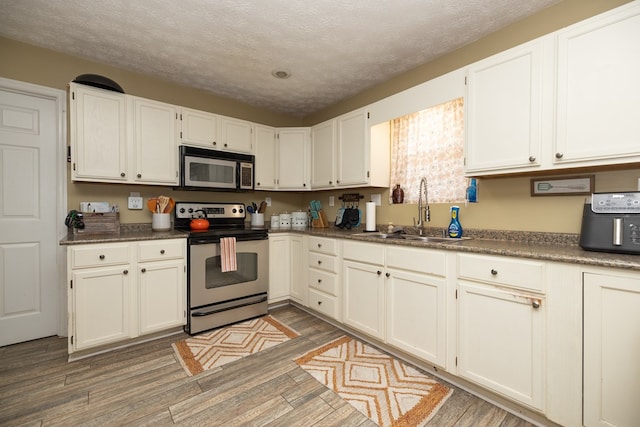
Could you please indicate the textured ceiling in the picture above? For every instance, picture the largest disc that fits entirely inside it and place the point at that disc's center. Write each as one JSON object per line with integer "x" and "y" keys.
{"x": 333, "y": 49}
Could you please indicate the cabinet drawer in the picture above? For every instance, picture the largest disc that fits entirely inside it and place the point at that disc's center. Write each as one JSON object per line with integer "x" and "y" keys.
{"x": 96, "y": 256}
{"x": 419, "y": 260}
{"x": 324, "y": 281}
{"x": 157, "y": 250}
{"x": 323, "y": 245}
{"x": 324, "y": 304}
{"x": 323, "y": 262}
{"x": 511, "y": 272}
{"x": 363, "y": 252}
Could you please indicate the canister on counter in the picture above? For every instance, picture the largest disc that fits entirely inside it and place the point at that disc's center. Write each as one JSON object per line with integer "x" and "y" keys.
{"x": 275, "y": 222}
{"x": 285, "y": 221}
{"x": 299, "y": 220}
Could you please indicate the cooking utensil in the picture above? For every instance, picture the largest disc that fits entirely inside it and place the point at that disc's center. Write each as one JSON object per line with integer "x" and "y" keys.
{"x": 263, "y": 207}
{"x": 250, "y": 209}
{"x": 199, "y": 224}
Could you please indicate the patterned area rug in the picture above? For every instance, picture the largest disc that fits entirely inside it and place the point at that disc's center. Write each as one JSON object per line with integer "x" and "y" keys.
{"x": 220, "y": 346}
{"x": 384, "y": 389}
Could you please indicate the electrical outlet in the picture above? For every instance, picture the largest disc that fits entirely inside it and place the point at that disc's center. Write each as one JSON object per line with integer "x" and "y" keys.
{"x": 268, "y": 200}
{"x": 332, "y": 200}
{"x": 134, "y": 202}
{"x": 377, "y": 199}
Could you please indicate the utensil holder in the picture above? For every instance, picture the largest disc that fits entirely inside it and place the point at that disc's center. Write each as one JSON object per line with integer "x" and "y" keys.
{"x": 161, "y": 222}
{"x": 257, "y": 220}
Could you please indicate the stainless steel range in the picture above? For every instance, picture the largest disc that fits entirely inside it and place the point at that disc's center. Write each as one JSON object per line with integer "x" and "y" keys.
{"x": 217, "y": 298}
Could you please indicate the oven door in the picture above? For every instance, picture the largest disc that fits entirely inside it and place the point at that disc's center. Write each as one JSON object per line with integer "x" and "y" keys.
{"x": 209, "y": 285}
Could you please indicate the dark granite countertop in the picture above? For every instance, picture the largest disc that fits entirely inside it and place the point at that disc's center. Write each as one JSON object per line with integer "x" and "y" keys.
{"x": 556, "y": 247}
{"x": 128, "y": 233}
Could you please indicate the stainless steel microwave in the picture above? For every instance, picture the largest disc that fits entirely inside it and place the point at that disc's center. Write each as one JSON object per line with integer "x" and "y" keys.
{"x": 204, "y": 169}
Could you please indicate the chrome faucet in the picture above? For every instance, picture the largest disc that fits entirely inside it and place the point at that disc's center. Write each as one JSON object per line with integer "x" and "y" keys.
{"x": 423, "y": 210}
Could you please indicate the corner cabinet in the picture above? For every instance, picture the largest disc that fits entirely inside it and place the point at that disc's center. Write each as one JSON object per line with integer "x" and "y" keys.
{"x": 293, "y": 159}
{"x": 119, "y": 291}
{"x": 286, "y": 267}
{"x": 347, "y": 152}
{"x": 611, "y": 350}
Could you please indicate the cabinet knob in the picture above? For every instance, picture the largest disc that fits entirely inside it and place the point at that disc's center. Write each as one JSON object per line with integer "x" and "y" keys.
{"x": 161, "y": 251}
{"x": 319, "y": 262}
{"x": 535, "y": 304}
{"x": 101, "y": 257}
{"x": 122, "y": 174}
{"x": 144, "y": 270}
{"x": 125, "y": 272}
{"x": 532, "y": 158}
{"x": 258, "y": 184}
{"x": 494, "y": 272}
{"x": 388, "y": 274}
{"x": 319, "y": 245}
{"x": 337, "y": 181}
{"x": 304, "y": 184}
{"x": 215, "y": 143}
{"x": 379, "y": 272}
{"x": 559, "y": 155}
{"x": 319, "y": 302}
{"x": 330, "y": 182}
{"x": 225, "y": 144}
{"x": 139, "y": 175}
{"x": 319, "y": 280}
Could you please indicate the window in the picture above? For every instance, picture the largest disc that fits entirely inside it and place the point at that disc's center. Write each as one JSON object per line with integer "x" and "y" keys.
{"x": 430, "y": 143}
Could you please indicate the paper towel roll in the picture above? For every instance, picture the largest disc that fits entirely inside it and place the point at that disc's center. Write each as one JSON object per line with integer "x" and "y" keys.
{"x": 370, "y": 215}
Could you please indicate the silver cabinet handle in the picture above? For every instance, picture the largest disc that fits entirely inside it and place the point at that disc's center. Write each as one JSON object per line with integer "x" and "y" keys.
{"x": 559, "y": 155}
{"x": 532, "y": 158}
{"x": 535, "y": 304}
{"x": 139, "y": 175}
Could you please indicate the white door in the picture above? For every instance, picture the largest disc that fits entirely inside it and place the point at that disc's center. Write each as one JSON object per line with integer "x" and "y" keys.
{"x": 29, "y": 276}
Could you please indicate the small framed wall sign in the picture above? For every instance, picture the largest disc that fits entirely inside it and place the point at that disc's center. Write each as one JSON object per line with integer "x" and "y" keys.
{"x": 563, "y": 186}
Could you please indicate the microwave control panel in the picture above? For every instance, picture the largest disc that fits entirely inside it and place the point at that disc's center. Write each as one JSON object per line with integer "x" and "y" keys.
{"x": 612, "y": 203}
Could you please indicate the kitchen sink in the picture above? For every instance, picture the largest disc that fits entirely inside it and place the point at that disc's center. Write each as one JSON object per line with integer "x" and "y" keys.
{"x": 411, "y": 237}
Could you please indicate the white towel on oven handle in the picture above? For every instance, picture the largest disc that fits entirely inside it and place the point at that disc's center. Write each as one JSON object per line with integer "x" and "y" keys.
{"x": 228, "y": 261}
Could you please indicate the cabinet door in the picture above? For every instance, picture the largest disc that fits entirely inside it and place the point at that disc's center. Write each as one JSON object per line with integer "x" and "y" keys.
{"x": 598, "y": 88}
{"x": 162, "y": 295}
{"x": 353, "y": 148}
{"x": 102, "y": 303}
{"x": 279, "y": 267}
{"x": 363, "y": 294}
{"x": 323, "y": 155}
{"x": 236, "y": 135}
{"x": 297, "y": 284}
{"x": 611, "y": 350}
{"x": 416, "y": 315}
{"x": 199, "y": 128}
{"x": 154, "y": 138}
{"x": 293, "y": 159}
{"x": 265, "y": 158}
{"x": 98, "y": 134}
{"x": 503, "y": 110}
{"x": 501, "y": 342}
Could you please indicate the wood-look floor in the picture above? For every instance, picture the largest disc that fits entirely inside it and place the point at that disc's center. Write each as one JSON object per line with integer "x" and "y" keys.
{"x": 145, "y": 385}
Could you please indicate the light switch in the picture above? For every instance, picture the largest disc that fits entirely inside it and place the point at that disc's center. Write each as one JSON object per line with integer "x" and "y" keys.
{"x": 332, "y": 200}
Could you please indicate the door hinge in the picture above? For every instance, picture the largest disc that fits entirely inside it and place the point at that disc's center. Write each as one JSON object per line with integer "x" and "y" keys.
{"x": 180, "y": 134}
{"x": 71, "y": 284}
{"x": 367, "y": 174}
{"x": 368, "y": 115}
{"x": 456, "y": 294}
{"x": 184, "y": 314}
{"x": 465, "y": 80}
{"x": 74, "y": 166}
{"x": 456, "y": 360}
{"x": 73, "y": 95}
{"x": 71, "y": 339}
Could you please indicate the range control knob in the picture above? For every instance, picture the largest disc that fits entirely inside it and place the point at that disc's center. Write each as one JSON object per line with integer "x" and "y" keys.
{"x": 182, "y": 210}
{"x": 234, "y": 210}
{"x": 190, "y": 210}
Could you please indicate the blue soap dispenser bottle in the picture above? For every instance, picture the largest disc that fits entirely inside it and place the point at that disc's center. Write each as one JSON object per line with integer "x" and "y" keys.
{"x": 472, "y": 191}
{"x": 455, "y": 229}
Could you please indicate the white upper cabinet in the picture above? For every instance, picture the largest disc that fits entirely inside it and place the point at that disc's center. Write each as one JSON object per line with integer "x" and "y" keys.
{"x": 236, "y": 135}
{"x": 504, "y": 109}
{"x": 562, "y": 101}
{"x": 323, "y": 155}
{"x": 598, "y": 89}
{"x": 265, "y": 149}
{"x": 154, "y": 131}
{"x": 199, "y": 128}
{"x": 353, "y": 148}
{"x": 209, "y": 130}
{"x": 293, "y": 158}
{"x": 122, "y": 138}
{"x": 98, "y": 134}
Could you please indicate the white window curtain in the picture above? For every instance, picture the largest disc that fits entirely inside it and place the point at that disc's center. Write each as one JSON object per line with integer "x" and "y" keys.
{"x": 430, "y": 143}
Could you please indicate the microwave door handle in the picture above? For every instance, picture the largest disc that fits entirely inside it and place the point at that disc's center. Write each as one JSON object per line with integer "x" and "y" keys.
{"x": 617, "y": 232}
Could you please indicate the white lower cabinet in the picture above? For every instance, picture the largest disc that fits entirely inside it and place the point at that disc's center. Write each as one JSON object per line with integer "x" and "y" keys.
{"x": 286, "y": 268}
{"x": 108, "y": 302}
{"x": 501, "y": 340}
{"x": 102, "y": 306}
{"x": 363, "y": 300}
{"x": 323, "y": 263}
{"x": 611, "y": 349}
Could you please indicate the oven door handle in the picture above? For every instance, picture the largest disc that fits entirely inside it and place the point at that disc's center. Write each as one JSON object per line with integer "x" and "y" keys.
{"x": 220, "y": 310}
